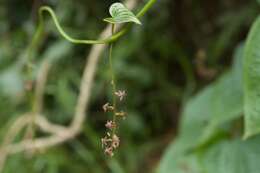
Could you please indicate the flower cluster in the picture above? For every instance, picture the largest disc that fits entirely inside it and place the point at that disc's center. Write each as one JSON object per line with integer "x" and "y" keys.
{"x": 111, "y": 141}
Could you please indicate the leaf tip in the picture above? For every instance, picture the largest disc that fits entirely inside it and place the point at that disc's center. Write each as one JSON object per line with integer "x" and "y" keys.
{"x": 138, "y": 22}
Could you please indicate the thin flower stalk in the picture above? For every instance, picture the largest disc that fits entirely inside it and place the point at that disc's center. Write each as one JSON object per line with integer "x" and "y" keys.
{"x": 111, "y": 141}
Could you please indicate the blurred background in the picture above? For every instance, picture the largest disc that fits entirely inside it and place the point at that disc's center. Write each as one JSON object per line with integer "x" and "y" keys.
{"x": 182, "y": 46}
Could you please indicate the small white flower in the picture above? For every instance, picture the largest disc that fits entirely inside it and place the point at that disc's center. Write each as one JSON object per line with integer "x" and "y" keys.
{"x": 121, "y": 94}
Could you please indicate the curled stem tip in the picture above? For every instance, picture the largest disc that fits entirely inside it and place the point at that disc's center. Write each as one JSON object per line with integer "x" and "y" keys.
{"x": 112, "y": 38}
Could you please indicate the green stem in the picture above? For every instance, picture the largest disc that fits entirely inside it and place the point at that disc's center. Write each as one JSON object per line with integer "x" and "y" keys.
{"x": 29, "y": 72}
{"x": 146, "y": 7}
{"x": 113, "y": 80}
{"x": 36, "y": 39}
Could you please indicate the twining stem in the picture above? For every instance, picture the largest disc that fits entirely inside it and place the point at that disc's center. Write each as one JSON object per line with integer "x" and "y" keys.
{"x": 146, "y": 7}
{"x": 39, "y": 32}
{"x": 29, "y": 72}
{"x": 110, "y": 39}
{"x": 113, "y": 80}
{"x": 29, "y": 58}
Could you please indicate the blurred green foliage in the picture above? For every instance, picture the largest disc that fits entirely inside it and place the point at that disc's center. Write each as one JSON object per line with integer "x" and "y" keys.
{"x": 155, "y": 63}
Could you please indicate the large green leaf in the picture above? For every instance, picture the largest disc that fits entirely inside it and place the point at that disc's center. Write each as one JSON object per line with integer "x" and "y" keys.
{"x": 251, "y": 74}
{"x": 205, "y": 114}
{"x": 120, "y": 14}
{"x": 219, "y": 103}
{"x": 226, "y": 156}
{"x": 234, "y": 156}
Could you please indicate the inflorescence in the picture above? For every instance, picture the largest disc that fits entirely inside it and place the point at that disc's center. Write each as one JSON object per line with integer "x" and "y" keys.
{"x": 111, "y": 140}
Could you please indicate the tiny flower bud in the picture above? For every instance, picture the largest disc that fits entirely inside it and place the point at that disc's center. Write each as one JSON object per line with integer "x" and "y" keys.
{"x": 110, "y": 125}
{"x": 121, "y": 114}
{"x": 106, "y": 107}
{"x": 115, "y": 141}
{"x": 105, "y": 141}
{"x": 109, "y": 151}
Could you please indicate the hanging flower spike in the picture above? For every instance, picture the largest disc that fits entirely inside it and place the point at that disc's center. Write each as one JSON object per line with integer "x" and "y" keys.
{"x": 121, "y": 94}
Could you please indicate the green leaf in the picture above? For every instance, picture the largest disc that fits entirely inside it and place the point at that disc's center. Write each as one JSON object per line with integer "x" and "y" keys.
{"x": 178, "y": 160}
{"x": 120, "y": 14}
{"x": 251, "y": 73}
{"x": 225, "y": 156}
{"x": 234, "y": 156}
{"x": 217, "y": 104}
{"x": 204, "y": 117}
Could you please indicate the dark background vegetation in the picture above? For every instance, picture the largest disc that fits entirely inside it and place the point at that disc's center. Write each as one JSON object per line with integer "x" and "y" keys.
{"x": 182, "y": 46}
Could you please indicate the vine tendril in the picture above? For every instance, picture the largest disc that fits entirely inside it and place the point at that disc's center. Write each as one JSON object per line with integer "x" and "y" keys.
{"x": 112, "y": 38}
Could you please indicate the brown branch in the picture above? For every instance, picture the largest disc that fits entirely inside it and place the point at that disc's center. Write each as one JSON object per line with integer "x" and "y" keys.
{"x": 40, "y": 86}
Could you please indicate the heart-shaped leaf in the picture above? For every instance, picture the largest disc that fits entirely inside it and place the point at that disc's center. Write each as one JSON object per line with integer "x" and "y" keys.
{"x": 120, "y": 14}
